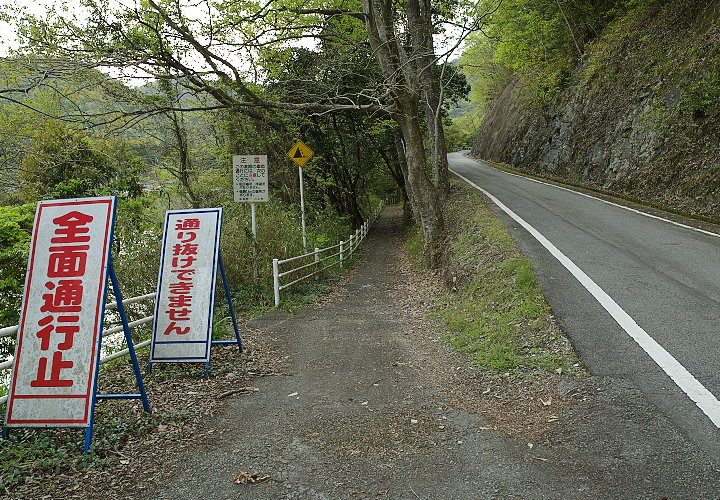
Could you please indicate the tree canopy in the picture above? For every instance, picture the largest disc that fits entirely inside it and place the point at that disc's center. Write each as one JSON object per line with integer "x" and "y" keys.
{"x": 269, "y": 61}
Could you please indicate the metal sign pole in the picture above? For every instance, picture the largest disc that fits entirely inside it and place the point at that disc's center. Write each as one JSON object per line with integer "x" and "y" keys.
{"x": 254, "y": 222}
{"x": 302, "y": 211}
{"x": 254, "y": 242}
{"x": 300, "y": 154}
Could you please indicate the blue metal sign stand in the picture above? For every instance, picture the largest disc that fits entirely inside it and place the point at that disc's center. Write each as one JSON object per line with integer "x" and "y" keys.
{"x": 233, "y": 316}
{"x": 142, "y": 394}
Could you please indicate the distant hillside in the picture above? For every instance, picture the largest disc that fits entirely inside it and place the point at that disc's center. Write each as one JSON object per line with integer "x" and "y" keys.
{"x": 638, "y": 115}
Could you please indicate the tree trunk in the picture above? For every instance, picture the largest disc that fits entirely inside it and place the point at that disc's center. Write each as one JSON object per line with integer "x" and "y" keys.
{"x": 424, "y": 195}
{"x": 408, "y": 206}
{"x": 407, "y": 66}
{"x": 419, "y": 14}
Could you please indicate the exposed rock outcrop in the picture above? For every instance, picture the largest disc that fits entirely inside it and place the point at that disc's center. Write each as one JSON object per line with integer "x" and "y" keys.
{"x": 639, "y": 116}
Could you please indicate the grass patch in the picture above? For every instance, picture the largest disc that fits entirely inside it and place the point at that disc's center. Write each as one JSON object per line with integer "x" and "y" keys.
{"x": 496, "y": 313}
{"x": 414, "y": 246}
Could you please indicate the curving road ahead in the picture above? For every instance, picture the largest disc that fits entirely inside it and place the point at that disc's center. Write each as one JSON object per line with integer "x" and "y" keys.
{"x": 639, "y": 296}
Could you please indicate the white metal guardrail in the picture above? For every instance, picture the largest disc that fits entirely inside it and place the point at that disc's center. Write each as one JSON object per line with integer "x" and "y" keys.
{"x": 313, "y": 263}
{"x": 12, "y": 330}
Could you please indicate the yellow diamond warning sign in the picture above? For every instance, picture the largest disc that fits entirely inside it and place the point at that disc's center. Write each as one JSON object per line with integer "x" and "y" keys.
{"x": 300, "y": 153}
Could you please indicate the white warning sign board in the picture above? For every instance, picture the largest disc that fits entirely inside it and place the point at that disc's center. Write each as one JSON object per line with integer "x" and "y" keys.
{"x": 182, "y": 328}
{"x": 250, "y": 178}
{"x": 58, "y": 339}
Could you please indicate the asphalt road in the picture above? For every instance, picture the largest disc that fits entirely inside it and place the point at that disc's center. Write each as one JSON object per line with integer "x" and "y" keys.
{"x": 665, "y": 277}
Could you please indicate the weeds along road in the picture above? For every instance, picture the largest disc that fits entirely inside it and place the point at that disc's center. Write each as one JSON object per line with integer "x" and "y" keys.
{"x": 639, "y": 296}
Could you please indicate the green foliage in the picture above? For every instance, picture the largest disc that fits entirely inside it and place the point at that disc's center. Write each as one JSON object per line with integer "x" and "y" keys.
{"x": 44, "y": 450}
{"x": 538, "y": 40}
{"x": 15, "y": 231}
{"x": 414, "y": 247}
{"x": 703, "y": 97}
{"x": 454, "y": 83}
{"x": 64, "y": 163}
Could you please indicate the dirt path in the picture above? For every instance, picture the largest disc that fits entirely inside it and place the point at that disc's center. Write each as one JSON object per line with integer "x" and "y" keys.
{"x": 372, "y": 405}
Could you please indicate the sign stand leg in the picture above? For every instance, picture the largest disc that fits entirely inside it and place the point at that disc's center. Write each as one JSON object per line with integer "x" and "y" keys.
{"x": 128, "y": 339}
{"x": 233, "y": 316}
{"x": 93, "y": 403}
{"x": 133, "y": 356}
{"x": 6, "y": 432}
{"x": 88, "y": 434}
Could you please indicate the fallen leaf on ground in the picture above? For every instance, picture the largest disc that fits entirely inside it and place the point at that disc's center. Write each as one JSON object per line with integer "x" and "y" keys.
{"x": 250, "y": 477}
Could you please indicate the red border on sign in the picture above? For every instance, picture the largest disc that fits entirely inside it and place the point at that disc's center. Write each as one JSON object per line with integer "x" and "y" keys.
{"x": 99, "y": 309}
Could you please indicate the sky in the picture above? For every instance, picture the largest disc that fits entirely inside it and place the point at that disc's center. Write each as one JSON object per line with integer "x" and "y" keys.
{"x": 8, "y": 40}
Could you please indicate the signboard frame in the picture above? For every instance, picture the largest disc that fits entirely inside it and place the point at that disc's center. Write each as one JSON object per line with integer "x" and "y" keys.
{"x": 72, "y": 254}
{"x": 66, "y": 258}
{"x": 202, "y": 340}
{"x": 255, "y": 180}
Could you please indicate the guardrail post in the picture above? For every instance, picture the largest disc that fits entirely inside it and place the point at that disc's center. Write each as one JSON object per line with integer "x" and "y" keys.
{"x": 276, "y": 281}
{"x": 342, "y": 251}
{"x": 317, "y": 264}
{"x": 351, "y": 244}
{"x": 358, "y": 239}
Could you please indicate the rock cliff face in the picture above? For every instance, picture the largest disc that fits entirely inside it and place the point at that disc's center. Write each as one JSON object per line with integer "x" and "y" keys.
{"x": 640, "y": 115}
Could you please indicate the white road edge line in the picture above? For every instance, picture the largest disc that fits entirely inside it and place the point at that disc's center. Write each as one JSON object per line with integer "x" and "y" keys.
{"x": 640, "y": 212}
{"x": 697, "y": 392}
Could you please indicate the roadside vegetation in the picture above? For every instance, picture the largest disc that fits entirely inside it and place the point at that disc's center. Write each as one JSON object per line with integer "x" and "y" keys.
{"x": 494, "y": 310}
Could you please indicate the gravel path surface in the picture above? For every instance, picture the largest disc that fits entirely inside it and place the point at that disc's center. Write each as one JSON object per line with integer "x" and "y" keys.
{"x": 370, "y": 404}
